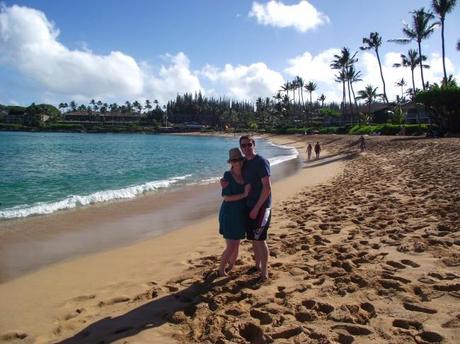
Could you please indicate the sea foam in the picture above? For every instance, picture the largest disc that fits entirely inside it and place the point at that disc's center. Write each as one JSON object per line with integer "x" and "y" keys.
{"x": 73, "y": 201}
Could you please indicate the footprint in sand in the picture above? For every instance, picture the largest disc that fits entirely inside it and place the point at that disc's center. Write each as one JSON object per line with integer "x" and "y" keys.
{"x": 354, "y": 329}
{"x": 407, "y": 324}
{"x": 395, "y": 264}
{"x": 82, "y": 298}
{"x": 74, "y": 314}
{"x": 448, "y": 287}
{"x": 114, "y": 300}
{"x": 13, "y": 335}
{"x": 430, "y": 337}
{"x": 410, "y": 263}
{"x": 286, "y": 332}
{"x": 264, "y": 317}
{"x": 453, "y": 323}
{"x": 252, "y": 333}
{"x": 418, "y": 308}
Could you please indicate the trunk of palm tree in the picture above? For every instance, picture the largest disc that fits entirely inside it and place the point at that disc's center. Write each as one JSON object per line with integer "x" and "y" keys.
{"x": 356, "y": 103}
{"x": 303, "y": 102}
{"x": 421, "y": 64}
{"x": 444, "y": 82}
{"x": 351, "y": 104}
{"x": 413, "y": 81}
{"x": 381, "y": 75}
{"x": 344, "y": 97}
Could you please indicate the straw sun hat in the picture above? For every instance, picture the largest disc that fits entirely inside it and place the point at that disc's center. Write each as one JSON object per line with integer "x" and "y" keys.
{"x": 234, "y": 154}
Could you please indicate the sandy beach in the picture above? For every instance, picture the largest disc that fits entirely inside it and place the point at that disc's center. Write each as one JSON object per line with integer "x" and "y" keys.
{"x": 364, "y": 248}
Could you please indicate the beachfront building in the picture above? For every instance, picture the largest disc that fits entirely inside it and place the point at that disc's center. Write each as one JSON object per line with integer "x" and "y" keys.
{"x": 113, "y": 118}
{"x": 23, "y": 118}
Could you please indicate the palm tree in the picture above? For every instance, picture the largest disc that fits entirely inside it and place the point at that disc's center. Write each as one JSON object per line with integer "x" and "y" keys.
{"x": 421, "y": 29}
{"x": 148, "y": 105}
{"x": 93, "y": 103}
{"x": 352, "y": 77}
{"x": 458, "y": 44}
{"x": 441, "y": 8}
{"x": 369, "y": 95}
{"x": 286, "y": 87}
{"x": 73, "y": 106}
{"x": 63, "y": 106}
{"x": 294, "y": 87}
{"x": 300, "y": 83}
{"x": 128, "y": 106}
{"x": 113, "y": 107}
{"x": 412, "y": 60}
{"x": 374, "y": 42}
{"x": 322, "y": 99}
{"x": 311, "y": 87}
{"x": 342, "y": 63}
{"x": 401, "y": 83}
{"x": 137, "y": 105}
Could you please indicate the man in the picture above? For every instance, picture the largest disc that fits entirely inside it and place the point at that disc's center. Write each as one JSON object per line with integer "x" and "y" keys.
{"x": 362, "y": 143}
{"x": 256, "y": 172}
{"x": 317, "y": 150}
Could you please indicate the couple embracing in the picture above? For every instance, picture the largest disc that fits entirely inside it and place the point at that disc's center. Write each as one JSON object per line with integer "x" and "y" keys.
{"x": 246, "y": 206}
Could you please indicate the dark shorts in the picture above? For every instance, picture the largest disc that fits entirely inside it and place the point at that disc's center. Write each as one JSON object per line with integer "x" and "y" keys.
{"x": 257, "y": 229}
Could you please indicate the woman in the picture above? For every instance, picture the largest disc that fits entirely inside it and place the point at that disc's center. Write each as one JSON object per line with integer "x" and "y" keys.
{"x": 232, "y": 215}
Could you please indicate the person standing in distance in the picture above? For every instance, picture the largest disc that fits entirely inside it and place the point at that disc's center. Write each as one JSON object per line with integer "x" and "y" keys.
{"x": 317, "y": 150}
{"x": 256, "y": 172}
{"x": 309, "y": 149}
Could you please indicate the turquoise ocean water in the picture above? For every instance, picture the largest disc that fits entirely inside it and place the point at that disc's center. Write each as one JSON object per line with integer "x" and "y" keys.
{"x": 41, "y": 173}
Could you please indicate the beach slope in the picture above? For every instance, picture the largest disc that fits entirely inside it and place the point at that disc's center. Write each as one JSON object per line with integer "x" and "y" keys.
{"x": 364, "y": 248}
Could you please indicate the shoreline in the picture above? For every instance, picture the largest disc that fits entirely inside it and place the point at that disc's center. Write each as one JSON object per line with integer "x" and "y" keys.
{"x": 157, "y": 259}
{"x": 31, "y": 243}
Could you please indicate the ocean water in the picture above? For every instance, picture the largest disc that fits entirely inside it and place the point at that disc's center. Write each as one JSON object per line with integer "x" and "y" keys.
{"x": 41, "y": 173}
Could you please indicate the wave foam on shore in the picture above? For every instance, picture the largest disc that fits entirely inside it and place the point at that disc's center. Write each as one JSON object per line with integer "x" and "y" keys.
{"x": 73, "y": 201}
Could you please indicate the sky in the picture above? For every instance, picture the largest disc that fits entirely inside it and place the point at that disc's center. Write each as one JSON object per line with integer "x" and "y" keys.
{"x": 56, "y": 51}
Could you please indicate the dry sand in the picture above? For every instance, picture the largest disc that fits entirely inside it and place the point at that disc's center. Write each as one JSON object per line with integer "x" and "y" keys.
{"x": 364, "y": 248}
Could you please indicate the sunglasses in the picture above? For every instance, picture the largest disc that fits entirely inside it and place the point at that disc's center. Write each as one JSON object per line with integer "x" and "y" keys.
{"x": 244, "y": 145}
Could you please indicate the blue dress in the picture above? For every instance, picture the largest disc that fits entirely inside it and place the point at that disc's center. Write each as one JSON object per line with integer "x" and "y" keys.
{"x": 233, "y": 215}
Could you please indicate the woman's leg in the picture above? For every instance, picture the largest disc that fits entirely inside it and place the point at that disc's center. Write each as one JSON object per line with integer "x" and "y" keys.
{"x": 224, "y": 259}
{"x": 235, "y": 245}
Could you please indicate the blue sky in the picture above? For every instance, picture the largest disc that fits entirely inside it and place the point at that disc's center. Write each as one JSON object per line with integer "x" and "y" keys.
{"x": 53, "y": 51}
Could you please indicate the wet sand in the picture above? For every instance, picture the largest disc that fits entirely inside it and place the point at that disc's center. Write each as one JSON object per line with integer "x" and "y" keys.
{"x": 364, "y": 248}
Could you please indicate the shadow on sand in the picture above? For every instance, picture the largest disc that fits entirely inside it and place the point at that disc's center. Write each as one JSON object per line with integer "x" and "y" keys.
{"x": 209, "y": 292}
{"x": 329, "y": 159}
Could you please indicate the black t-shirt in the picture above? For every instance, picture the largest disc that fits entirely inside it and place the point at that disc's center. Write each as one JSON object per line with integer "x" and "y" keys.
{"x": 253, "y": 172}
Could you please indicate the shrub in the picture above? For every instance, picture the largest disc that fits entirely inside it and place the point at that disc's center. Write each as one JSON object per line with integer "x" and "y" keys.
{"x": 389, "y": 129}
{"x": 443, "y": 105}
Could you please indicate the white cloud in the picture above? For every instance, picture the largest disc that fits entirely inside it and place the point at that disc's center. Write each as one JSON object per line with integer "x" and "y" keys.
{"x": 317, "y": 69}
{"x": 302, "y": 16}
{"x": 172, "y": 79}
{"x": 29, "y": 43}
{"x": 245, "y": 82}
{"x": 314, "y": 68}
{"x": 371, "y": 75}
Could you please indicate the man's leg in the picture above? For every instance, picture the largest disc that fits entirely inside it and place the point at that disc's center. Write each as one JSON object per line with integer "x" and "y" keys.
{"x": 256, "y": 250}
{"x": 262, "y": 264}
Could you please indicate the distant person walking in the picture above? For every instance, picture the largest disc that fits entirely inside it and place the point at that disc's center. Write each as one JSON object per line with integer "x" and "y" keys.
{"x": 233, "y": 214}
{"x": 317, "y": 150}
{"x": 362, "y": 143}
{"x": 309, "y": 149}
